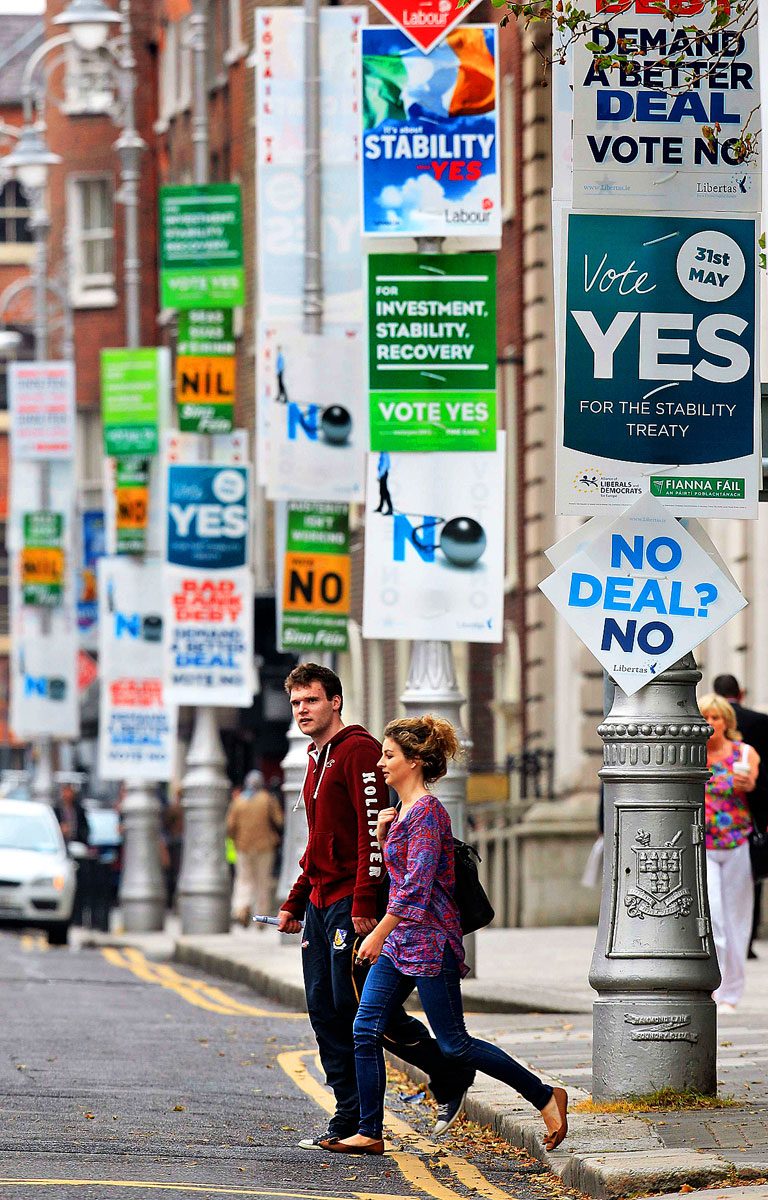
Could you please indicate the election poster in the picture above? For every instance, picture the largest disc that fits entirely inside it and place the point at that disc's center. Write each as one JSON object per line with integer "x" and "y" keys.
{"x": 208, "y": 587}
{"x": 134, "y": 384}
{"x": 434, "y": 546}
{"x": 41, "y": 402}
{"x": 137, "y": 724}
{"x": 131, "y": 505}
{"x": 657, "y": 367}
{"x": 642, "y": 593}
{"x": 312, "y": 414}
{"x": 43, "y": 665}
{"x": 666, "y": 128}
{"x": 427, "y": 22}
{"x": 316, "y": 578}
{"x": 280, "y": 155}
{"x": 430, "y": 153}
{"x": 201, "y": 246}
{"x": 42, "y": 559}
{"x": 432, "y": 351}
{"x": 92, "y": 546}
{"x": 205, "y": 370}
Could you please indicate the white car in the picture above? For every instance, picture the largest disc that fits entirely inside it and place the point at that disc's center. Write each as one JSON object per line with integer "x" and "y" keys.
{"x": 37, "y": 877}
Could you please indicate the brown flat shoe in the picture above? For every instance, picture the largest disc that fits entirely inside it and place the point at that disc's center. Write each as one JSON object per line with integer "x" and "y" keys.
{"x": 553, "y": 1139}
{"x": 341, "y": 1147}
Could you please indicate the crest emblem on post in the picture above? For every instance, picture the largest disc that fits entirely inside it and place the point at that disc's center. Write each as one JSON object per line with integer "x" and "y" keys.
{"x": 659, "y": 890}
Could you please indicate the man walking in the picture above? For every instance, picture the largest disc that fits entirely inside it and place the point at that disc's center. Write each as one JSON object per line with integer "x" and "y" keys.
{"x": 753, "y": 727}
{"x": 382, "y": 474}
{"x": 255, "y": 824}
{"x": 336, "y": 893}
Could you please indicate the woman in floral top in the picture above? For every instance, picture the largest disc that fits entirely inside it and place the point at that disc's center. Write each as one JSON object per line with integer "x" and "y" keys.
{"x": 728, "y": 825}
{"x": 418, "y": 943}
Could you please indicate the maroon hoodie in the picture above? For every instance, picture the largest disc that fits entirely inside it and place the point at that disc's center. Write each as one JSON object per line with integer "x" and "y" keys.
{"x": 343, "y": 792}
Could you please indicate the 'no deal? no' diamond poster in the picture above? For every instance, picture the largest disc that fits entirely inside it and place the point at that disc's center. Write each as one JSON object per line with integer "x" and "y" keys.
{"x": 642, "y": 593}
{"x": 429, "y": 135}
{"x": 659, "y": 379}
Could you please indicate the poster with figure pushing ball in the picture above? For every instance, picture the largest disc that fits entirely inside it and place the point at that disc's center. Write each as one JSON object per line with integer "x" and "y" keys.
{"x": 312, "y": 416}
{"x": 434, "y": 546}
{"x": 658, "y": 365}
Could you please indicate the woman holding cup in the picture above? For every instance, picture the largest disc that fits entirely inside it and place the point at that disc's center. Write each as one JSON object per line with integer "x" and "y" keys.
{"x": 728, "y": 822}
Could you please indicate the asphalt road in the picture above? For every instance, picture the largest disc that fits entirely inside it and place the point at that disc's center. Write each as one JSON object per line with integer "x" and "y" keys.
{"x": 123, "y": 1078}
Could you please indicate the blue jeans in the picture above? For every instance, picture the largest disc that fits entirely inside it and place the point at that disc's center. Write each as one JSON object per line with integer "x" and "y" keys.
{"x": 332, "y": 997}
{"x": 385, "y": 990}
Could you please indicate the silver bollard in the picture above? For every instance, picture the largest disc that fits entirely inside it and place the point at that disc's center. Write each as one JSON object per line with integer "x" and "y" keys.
{"x": 142, "y": 887}
{"x": 204, "y": 887}
{"x": 654, "y": 965}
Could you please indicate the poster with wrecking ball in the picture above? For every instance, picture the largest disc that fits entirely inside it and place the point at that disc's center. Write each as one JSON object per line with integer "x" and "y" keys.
{"x": 430, "y": 153}
{"x": 137, "y": 725}
{"x": 434, "y": 546}
{"x": 208, "y": 587}
{"x": 668, "y": 128}
{"x": 43, "y": 664}
{"x": 642, "y": 593}
{"x": 312, "y": 415}
{"x": 657, "y": 364}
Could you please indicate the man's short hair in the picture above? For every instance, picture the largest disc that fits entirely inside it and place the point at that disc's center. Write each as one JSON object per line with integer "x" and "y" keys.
{"x": 727, "y": 686}
{"x": 306, "y": 673}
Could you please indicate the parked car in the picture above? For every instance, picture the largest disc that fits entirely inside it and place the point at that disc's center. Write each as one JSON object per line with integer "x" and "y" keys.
{"x": 37, "y": 876}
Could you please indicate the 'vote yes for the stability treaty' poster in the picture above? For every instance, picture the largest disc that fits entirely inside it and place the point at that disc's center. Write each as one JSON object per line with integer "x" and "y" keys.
{"x": 430, "y": 135}
{"x": 658, "y": 372}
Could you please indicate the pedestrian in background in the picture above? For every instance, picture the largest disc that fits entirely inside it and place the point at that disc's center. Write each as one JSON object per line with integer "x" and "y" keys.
{"x": 255, "y": 824}
{"x": 728, "y": 824}
{"x": 337, "y": 892}
{"x": 753, "y": 727}
{"x": 417, "y": 944}
{"x": 74, "y": 827}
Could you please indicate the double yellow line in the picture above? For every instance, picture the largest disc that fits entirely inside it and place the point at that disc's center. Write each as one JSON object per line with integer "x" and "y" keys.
{"x": 293, "y": 1063}
{"x": 194, "y": 991}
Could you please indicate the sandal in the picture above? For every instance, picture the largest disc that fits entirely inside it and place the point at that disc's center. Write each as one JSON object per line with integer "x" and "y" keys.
{"x": 553, "y": 1139}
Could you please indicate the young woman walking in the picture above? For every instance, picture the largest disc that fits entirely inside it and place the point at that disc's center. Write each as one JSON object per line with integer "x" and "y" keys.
{"x": 418, "y": 943}
{"x": 728, "y": 823}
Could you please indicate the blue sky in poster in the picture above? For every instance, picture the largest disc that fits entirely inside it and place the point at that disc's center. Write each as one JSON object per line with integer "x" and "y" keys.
{"x": 429, "y": 140}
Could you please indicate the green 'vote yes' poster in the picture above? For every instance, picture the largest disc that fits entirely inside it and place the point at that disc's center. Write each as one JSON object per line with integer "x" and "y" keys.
{"x": 432, "y": 351}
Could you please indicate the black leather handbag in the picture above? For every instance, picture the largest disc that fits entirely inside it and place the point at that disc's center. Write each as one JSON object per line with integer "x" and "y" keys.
{"x": 475, "y": 909}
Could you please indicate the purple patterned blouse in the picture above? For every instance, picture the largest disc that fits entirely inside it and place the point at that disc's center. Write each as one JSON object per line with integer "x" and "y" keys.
{"x": 418, "y": 854}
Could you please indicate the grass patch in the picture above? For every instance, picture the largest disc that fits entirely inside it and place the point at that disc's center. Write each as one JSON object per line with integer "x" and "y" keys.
{"x": 666, "y": 1100}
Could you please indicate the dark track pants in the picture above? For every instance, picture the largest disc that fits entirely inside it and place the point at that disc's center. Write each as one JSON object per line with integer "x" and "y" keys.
{"x": 332, "y": 1001}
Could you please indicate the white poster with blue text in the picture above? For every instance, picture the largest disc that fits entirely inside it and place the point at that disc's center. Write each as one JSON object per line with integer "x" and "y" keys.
{"x": 434, "y": 546}
{"x": 208, "y": 592}
{"x": 280, "y": 158}
{"x": 312, "y": 413}
{"x": 642, "y": 593}
{"x": 676, "y": 123}
{"x": 137, "y": 724}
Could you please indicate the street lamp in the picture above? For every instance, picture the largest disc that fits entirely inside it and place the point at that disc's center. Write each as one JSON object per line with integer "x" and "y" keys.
{"x": 30, "y": 159}
{"x": 88, "y": 21}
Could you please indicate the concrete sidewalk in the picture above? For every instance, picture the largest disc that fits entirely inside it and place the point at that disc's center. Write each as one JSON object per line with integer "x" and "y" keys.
{"x": 531, "y": 996}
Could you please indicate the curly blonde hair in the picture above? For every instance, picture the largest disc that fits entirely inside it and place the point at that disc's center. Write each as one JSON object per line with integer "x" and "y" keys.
{"x": 714, "y": 703}
{"x": 432, "y": 740}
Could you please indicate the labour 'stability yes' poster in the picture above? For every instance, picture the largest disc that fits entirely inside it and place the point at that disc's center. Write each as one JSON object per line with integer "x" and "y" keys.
{"x": 430, "y": 135}
{"x": 434, "y": 546}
